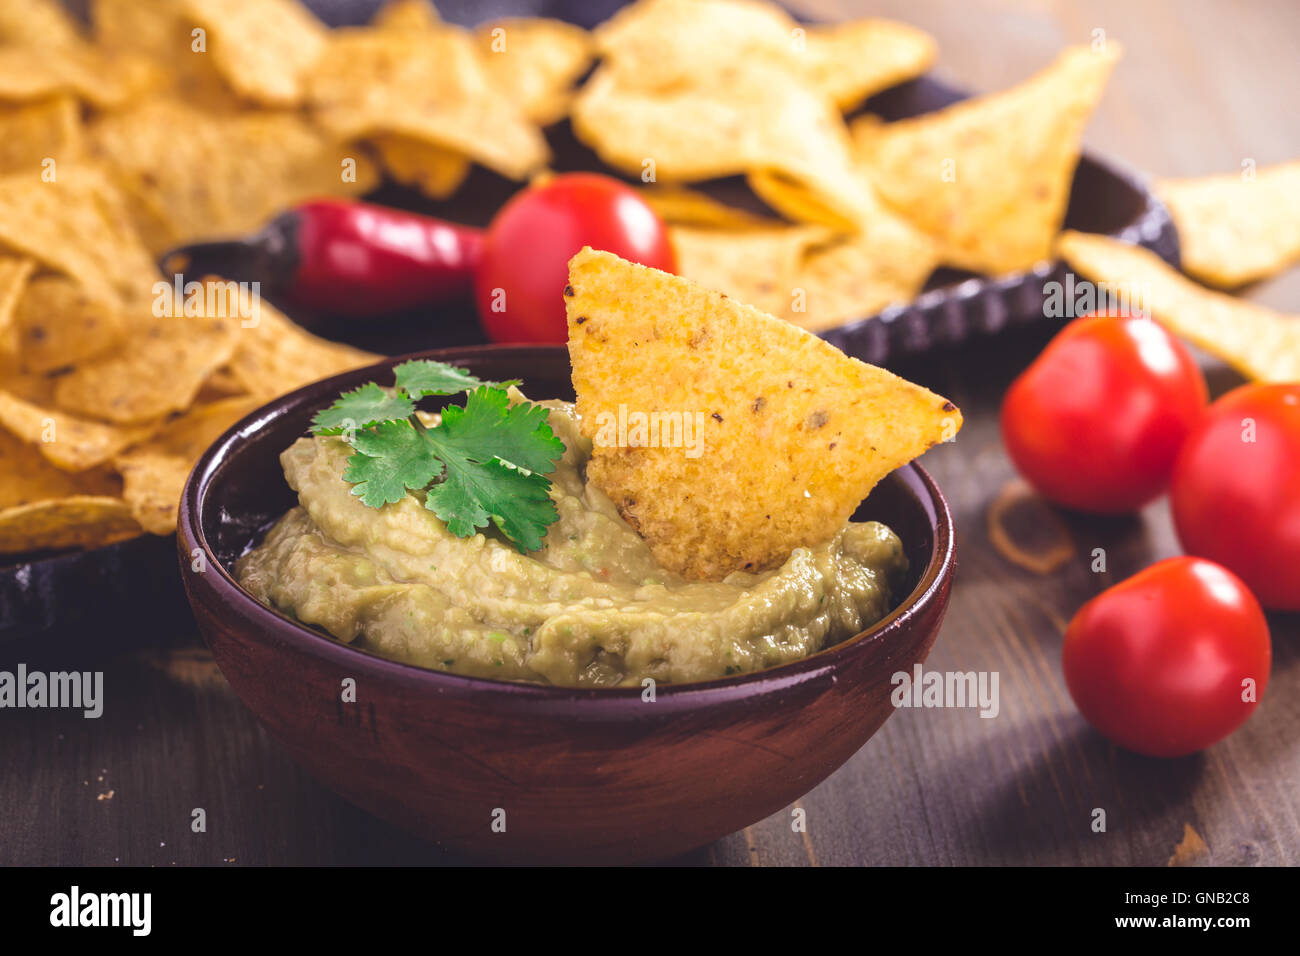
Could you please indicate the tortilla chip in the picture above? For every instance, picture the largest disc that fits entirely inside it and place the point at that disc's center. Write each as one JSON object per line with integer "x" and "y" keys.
{"x": 797, "y": 202}
{"x": 29, "y": 386}
{"x": 883, "y": 260}
{"x": 159, "y": 370}
{"x": 407, "y": 15}
{"x": 433, "y": 170}
{"x": 756, "y": 266}
{"x": 990, "y": 177}
{"x": 57, "y": 325}
{"x": 220, "y": 384}
{"x": 1231, "y": 230}
{"x": 534, "y": 63}
{"x": 153, "y": 486}
{"x": 1258, "y": 342}
{"x": 866, "y": 125}
{"x": 150, "y": 30}
{"x": 193, "y": 174}
{"x": 102, "y": 79}
{"x": 261, "y": 47}
{"x": 658, "y": 44}
{"x": 44, "y": 23}
{"x": 738, "y": 122}
{"x": 154, "y": 473}
{"x": 428, "y": 85}
{"x": 278, "y": 356}
{"x": 849, "y": 62}
{"x": 81, "y": 521}
{"x": 680, "y": 206}
{"x": 807, "y": 276}
{"x": 14, "y": 273}
{"x": 78, "y": 225}
{"x": 858, "y": 276}
{"x": 27, "y": 477}
{"x": 66, "y": 441}
{"x": 794, "y": 434}
{"x": 42, "y": 507}
{"x": 32, "y": 132}
{"x": 161, "y": 32}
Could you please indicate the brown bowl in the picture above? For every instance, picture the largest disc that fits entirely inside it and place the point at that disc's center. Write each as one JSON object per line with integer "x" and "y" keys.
{"x": 580, "y": 775}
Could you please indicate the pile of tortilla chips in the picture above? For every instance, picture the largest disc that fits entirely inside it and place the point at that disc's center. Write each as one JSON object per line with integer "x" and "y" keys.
{"x": 690, "y": 90}
{"x": 235, "y": 109}
{"x": 210, "y": 116}
{"x": 162, "y": 123}
{"x": 177, "y": 120}
{"x": 110, "y": 386}
{"x": 256, "y": 106}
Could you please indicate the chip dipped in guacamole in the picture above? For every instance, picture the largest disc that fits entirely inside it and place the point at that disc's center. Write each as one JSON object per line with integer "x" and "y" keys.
{"x": 497, "y": 540}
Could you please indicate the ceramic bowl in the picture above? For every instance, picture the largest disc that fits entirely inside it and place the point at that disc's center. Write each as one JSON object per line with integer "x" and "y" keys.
{"x": 596, "y": 775}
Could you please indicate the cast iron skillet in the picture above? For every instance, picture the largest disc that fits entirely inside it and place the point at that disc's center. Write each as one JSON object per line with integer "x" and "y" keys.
{"x": 581, "y": 775}
{"x": 112, "y": 596}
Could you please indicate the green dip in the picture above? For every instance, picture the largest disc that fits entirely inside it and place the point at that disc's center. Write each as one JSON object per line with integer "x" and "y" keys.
{"x": 590, "y": 609}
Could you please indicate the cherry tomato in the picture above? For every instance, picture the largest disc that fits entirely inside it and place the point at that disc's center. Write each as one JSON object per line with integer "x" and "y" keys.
{"x": 1096, "y": 421}
{"x": 525, "y": 265}
{"x": 1158, "y": 662}
{"x": 1236, "y": 490}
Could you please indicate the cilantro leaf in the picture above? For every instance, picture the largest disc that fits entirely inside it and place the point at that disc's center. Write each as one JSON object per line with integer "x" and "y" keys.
{"x": 421, "y": 377}
{"x": 484, "y": 463}
{"x": 520, "y": 434}
{"x": 515, "y": 501}
{"x": 496, "y": 456}
{"x": 390, "y": 460}
{"x": 361, "y": 408}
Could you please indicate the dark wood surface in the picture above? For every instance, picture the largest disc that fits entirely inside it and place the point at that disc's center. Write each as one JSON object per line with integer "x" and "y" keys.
{"x": 1203, "y": 86}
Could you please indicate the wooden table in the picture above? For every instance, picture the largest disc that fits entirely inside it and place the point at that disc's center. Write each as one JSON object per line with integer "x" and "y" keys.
{"x": 1197, "y": 93}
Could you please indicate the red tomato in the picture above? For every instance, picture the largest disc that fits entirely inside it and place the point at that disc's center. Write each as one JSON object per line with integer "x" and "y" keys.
{"x": 1157, "y": 663}
{"x": 525, "y": 266}
{"x": 1096, "y": 421}
{"x": 1236, "y": 490}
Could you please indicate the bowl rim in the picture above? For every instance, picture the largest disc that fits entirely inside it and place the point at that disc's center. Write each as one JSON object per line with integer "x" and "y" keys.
{"x": 288, "y": 632}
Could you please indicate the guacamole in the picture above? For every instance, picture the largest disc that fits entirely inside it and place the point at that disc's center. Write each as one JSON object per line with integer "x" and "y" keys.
{"x": 592, "y": 608}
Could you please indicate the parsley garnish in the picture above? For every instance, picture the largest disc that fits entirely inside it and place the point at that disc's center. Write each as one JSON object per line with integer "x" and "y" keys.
{"x": 485, "y": 462}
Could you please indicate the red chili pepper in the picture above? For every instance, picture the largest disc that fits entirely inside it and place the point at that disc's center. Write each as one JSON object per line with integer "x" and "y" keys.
{"x": 357, "y": 258}
{"x": 346, "y": 258}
